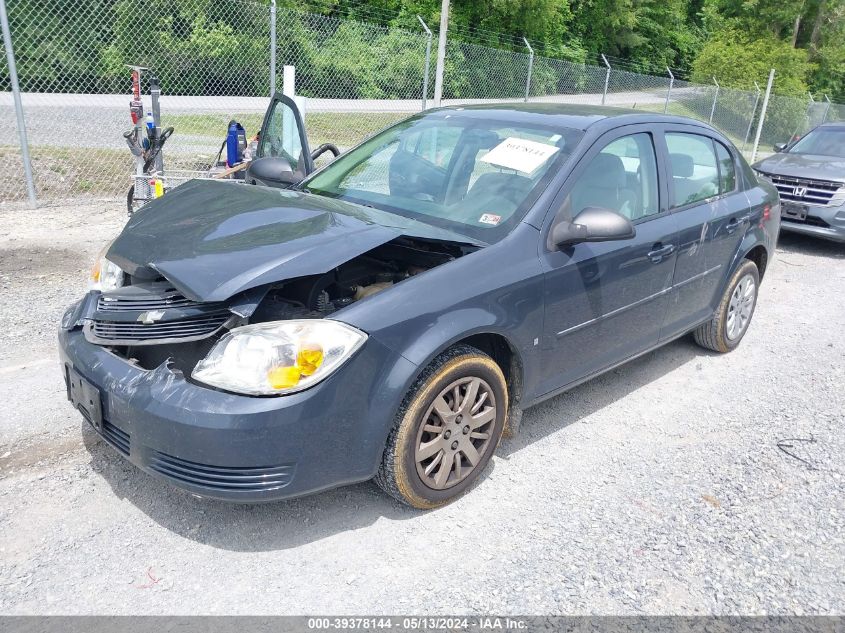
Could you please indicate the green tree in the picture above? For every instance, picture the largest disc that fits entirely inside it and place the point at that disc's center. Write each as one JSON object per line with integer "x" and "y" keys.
{"x": 194, "y": 46}
{"x": 737, "y": 60}
{"x": 58, "y": 44}
{"x": 652, "y": 34}
{"x": 827, "y": 47}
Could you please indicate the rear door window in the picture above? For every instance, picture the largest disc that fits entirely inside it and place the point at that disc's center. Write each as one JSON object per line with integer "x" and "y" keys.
{"x": 692, "y": 163}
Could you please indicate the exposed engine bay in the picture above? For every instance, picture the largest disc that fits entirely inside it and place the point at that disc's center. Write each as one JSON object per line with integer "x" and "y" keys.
{"x": 149, "y": 323}
{"x": 320, "y": 295}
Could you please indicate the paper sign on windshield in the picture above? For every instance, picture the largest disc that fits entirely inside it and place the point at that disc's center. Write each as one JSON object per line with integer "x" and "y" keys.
{"x": 520, "y": 154}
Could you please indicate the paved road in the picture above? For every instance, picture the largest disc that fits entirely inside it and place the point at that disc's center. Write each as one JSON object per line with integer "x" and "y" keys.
{"x": 658, "y": 488}
{"x": 259, "y": 104}
{"x": 98, "y": 121}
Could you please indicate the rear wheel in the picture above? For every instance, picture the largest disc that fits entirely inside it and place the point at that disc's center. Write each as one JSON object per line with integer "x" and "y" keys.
{"x": 447, "y": 430}
{"x": 730, "y": 322}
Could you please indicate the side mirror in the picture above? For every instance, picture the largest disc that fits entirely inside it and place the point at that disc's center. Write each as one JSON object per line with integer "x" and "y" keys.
{"x": 593, "y": 224}
{"x": 273, "y": 171}
{"x": 779, "y": 147}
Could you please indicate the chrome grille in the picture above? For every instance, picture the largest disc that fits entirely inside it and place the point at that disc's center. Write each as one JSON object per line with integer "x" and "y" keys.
{"x": 806, "y": 191}
{"x": 191, "y": 328}
{"x": 151, "y": 313}
{"x": 110, "y": 303}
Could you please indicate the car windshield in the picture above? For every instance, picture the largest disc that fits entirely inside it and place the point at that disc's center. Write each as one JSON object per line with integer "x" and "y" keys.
{"x": 822, "y": 142}
{"x": 472, "y": 175}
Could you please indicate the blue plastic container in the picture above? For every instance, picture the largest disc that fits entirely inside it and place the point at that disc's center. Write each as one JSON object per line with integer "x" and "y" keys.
{"x": 235, "y": 144}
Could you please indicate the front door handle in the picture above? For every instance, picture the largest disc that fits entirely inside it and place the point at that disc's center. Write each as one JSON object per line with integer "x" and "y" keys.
{"x": 659, "y": 251}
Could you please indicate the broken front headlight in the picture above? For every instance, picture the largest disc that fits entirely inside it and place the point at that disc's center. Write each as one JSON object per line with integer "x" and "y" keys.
{"x": 278, "y": 357}
{"x": 105, "y": 275}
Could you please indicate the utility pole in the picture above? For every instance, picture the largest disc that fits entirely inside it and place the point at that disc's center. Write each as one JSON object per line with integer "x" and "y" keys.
{"x": 753, "y": 112}
{"x": 669, "y": 91}
{"x": 530, "y": 67}
{"x": 427, "y": 60}
{"x": 715, "y": 98}
{"x": 762, "y": 115}
{"x": 272, "y": 48}
{"x": 441, "y": 52}
{"x": 606, "y": 78}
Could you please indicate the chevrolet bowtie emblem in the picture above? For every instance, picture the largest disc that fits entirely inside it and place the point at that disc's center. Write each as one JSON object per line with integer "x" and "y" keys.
{"x": 148, "y": 318}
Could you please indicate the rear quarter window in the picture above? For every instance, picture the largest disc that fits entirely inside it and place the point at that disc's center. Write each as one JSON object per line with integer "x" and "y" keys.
{"x": 727, "y": 169}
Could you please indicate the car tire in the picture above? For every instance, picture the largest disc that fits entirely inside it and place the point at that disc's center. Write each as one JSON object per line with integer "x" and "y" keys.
{"x": 730, "y": 322}
{"x": 440, "y": 430}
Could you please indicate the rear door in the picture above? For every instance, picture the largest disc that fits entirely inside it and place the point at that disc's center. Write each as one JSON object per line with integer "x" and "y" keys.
{"x": 605, "y": 301}
{"x": 731, "y": 220}
{"x": 710, "y": 211}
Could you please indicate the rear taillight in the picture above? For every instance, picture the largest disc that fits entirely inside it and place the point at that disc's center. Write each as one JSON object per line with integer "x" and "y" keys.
{"x": 767, "y": 213}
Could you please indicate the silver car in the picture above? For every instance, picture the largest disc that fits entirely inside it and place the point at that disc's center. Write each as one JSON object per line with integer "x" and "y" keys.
{"x": 810, "y": 176}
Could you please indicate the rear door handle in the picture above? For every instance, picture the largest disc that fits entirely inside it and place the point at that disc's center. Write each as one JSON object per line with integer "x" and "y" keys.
{"x": 733, "y": 223}
{"x": 659, "y": 252}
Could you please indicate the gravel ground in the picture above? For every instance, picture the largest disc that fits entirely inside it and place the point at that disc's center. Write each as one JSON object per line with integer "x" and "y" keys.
{"x": 663, "y": 487}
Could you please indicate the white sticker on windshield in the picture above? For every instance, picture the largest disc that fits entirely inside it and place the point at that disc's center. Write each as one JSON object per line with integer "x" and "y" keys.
{"x": 520, "y": 154}
{"x": 490, "y": 218}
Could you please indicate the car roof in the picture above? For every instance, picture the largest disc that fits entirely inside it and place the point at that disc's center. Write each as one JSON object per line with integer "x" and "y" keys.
{"x": 569, "y": 115}
{"x": 833, "y": 125}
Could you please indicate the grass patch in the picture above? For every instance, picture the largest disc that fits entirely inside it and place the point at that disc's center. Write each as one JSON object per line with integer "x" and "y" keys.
{"x": 344, "y": 129}
{"x": 62, "y": 172}
{"x": 213, "y": 125}
{"x": 679, "y": 109}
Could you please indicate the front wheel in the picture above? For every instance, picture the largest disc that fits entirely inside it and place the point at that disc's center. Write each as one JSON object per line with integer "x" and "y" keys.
{"x": 730, "y": 322}
{"x": 447, "y": 429}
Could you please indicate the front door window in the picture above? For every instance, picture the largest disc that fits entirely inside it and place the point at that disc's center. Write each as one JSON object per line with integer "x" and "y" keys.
{"x": 622, "y": 177}
{"x": 281, "y": 136}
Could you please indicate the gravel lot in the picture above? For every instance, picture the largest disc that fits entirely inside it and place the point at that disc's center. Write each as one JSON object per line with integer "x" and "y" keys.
{"x": 663, "y": 487}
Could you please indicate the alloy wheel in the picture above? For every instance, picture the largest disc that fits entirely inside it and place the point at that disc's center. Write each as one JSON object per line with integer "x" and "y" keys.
{"x": 740, "y": 307}
{"x": 455, "y": 433}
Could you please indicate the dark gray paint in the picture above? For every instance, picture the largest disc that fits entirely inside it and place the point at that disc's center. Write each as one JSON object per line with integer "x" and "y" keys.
{"x": 565, "y": 314}
{"x": 212, "y": 240}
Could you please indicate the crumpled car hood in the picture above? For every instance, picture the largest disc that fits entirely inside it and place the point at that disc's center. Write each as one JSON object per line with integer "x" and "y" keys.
{"x": 212, "y": 240}
{"x": 804, "y": 166}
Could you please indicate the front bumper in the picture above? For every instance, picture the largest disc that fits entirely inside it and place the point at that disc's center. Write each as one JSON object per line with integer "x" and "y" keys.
{"x": 824, "y": 222}
{"x": 243, "y": 448}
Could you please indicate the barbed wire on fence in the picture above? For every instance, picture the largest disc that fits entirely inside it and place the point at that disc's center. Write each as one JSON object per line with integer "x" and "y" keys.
{"x": 214, "y": 63}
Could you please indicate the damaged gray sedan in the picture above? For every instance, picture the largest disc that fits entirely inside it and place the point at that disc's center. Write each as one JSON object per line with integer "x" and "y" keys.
{"x": 392, "y": 315}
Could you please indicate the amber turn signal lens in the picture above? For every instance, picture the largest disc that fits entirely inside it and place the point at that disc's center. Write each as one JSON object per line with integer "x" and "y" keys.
{"x": 284, "y": 377}
{"x": 309, "y": 358}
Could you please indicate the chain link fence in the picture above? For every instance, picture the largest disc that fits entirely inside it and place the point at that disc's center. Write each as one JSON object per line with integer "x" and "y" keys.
{"x": 215, "y": 60}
